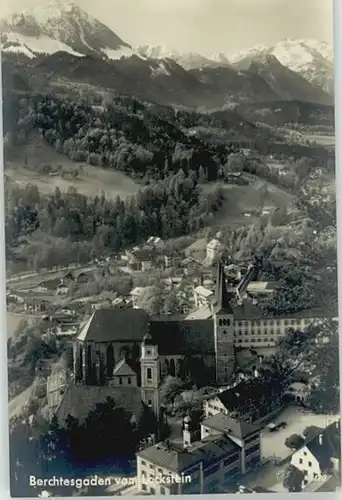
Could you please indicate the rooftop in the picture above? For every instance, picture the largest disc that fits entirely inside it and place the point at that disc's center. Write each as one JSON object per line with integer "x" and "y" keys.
{"x": 205, "y": 292}
{"x": 326, "y": 445}
{"x": 247, "y": 310}
{"x": 251, "y": 391}
{"x": 107, "y": 325}
{"x": 230, "y": 426}
{"x": 79, "y": 400}
{"x": 123, "y": 369}
{"x": 260, "y": 286}
{"x": 201, "y": 313}
{"x": 179, "y": 460}
{"x": 182, "y": 336}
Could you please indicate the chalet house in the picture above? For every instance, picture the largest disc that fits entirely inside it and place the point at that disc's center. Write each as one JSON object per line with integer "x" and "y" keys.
{"x": 321, "y": 456}
{"x": 82, "y": 278}
{"x": 68, "y": 277}
{"x": 141, "y": 260}
{"x": 56, "y": 286}
{"x": 62, "y": 289}
{"x": 43, "y": 287}
{"x": 223, "y": 449}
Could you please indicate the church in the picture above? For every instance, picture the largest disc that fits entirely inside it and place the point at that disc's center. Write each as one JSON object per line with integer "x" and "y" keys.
{"x": 126, "y": 348}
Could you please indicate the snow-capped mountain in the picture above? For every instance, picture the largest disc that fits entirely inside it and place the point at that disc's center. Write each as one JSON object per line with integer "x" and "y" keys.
{"x": 60, "y": 26}
{"x": 287, "y": 84}
{"x": 312, "y": 59}
{"x": 188, "y": 60}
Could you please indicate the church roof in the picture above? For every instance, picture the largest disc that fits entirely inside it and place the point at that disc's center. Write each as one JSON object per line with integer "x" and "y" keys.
{"x": 123, "y": 369}
{"x": 107, "y": 325}
{"x": 79, "y": 400}
{"x": 183, "y": 337}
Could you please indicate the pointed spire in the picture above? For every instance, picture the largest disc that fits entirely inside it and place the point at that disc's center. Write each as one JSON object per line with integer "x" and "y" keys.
{"x": 222, "y": 294}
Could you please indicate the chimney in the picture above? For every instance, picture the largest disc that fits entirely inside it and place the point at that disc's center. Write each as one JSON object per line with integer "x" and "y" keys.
{"x": 320, "y": 439}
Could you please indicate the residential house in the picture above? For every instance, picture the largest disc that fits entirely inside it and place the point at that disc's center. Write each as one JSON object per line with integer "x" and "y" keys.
{"x": 321, "y": 456}
{"x": 206, "y": 460}
{"x": 203, "y": 296}
{"x": 62, "y": 289}
{"x": 253, "y": 400}
{"x": 141, "y": 260}
{"x": 82, "y": 278}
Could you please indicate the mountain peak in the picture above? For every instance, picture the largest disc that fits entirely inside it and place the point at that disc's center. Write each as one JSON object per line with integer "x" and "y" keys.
{"x": 60, "y": 25}
{"x": 312, "y": 59}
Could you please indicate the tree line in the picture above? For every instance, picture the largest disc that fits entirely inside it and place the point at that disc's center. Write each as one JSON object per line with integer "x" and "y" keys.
{"x": 169, "y": 208}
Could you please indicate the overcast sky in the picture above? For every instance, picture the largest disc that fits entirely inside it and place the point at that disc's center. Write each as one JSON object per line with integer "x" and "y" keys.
{"x": 206, "y": 26}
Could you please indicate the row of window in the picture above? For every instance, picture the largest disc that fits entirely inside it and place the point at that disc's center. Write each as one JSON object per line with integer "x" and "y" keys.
{"x": 253, "y": 449}
{"x": 266, "y": 339}
{"x": 259, "y": 332}
{"x": 273, "y": 322}
{"x": 225, "y": 321}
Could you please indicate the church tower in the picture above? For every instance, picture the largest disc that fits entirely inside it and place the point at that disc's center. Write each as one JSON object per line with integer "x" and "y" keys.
{"x": 223, "y": 331}
{"x": 150, "y": 376}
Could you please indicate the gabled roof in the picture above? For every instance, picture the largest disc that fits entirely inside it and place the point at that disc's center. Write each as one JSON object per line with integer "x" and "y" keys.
{"x": 326, "y": 445}
{"x": 109, "y": 325}
{"x": 239, "y": 396}
{"x": 123, "y": 369}
{"x": 231, "y": 426}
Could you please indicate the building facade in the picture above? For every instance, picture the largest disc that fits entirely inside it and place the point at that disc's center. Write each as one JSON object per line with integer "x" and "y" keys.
{"x": 207, "y": 460}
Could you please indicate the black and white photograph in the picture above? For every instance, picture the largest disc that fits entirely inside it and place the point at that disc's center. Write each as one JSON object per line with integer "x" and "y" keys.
{"x": 171, "y": 247}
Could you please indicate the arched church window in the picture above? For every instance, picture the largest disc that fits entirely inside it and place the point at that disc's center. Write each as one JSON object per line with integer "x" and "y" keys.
{"x": 149, "y": 373}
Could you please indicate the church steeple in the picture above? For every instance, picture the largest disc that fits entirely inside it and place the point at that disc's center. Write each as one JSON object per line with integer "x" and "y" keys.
{"x": 222, "y": 295}
{"x": 150, "y": 376}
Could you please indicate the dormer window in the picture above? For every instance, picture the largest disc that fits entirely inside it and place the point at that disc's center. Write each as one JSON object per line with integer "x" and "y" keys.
{"x": 149, "y": 373}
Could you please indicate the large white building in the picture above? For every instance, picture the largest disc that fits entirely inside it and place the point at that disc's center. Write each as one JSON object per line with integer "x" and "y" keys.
{"x": 205, "y": 461}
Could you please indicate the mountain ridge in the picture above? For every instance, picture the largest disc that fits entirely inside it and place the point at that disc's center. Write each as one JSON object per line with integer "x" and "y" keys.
{"x": 60, "y": 26}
